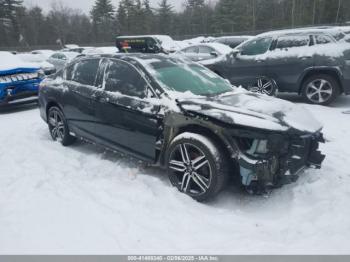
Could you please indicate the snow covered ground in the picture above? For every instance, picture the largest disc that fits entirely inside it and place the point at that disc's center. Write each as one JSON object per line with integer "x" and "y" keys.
{"x": 82, "y": 200}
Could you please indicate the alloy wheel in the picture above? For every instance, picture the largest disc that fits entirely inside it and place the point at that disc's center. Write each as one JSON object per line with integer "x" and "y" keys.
{"x": 264, "y": 85}
{"x": 191, "y": 169}
{"x": 57, "y": 127}
{"x": 319, "y": 91}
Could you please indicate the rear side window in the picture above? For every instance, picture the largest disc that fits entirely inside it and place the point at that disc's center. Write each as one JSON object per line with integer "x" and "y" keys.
{"x": 55, "y": 56}
{"x": 292, "y": 41}
{"x": 83, "y": 72}
{"x": 123, "y": 78}
{"x": 205, "y": 50}
{"x": 256, "y": 47}
{"x": 323, "y": 39}
{"x": 192, "y": 49}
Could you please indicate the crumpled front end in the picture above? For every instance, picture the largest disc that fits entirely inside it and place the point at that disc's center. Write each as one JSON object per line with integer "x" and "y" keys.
{"x": 277, "y": 160}
{"x": 18, "y": 86}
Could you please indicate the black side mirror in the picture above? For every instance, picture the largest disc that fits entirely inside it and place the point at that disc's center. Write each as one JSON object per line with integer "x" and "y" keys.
{"x": 235, "y": 53}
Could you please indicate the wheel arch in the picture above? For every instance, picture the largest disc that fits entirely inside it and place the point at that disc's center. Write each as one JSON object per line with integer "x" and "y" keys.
{"x": 216, "y": 137}
{"x": 333, "y": 72}
{"x": 51, "y": 103}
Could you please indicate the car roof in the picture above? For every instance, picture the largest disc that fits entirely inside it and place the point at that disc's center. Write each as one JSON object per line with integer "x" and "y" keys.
{"x": 224, "y": 49}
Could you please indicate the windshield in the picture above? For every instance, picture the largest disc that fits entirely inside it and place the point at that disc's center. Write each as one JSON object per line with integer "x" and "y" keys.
{"x": 179, "y": 76}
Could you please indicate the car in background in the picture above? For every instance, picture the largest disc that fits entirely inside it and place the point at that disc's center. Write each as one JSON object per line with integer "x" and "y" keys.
{"x": 45, "y": 53}
{"x": 231, "y": 41}
{"x": 19, "y": 81}
{"x": 60, "y": 59}
{"x": 38, "y": 60}
{"x": 308, "y": 62}
{"x": 146, "y": 44}
{"x": 181, "y": 116}
{"x": 206, "y": 54}
{"x": 74, "y": 48}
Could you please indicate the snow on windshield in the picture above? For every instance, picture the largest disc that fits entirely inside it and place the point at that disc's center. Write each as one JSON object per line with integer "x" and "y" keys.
{"x": 177, "y": 75}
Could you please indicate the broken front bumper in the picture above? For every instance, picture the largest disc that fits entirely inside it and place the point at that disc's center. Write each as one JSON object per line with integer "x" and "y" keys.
{"x": 19, "y": 93}
{"x": 281, "y": 167}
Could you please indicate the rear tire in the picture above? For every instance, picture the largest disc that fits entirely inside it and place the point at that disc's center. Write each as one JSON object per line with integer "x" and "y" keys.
{"x": 58, "y": 127}
{"x": 196, "y": 166}
{"x": 320, "y": 89}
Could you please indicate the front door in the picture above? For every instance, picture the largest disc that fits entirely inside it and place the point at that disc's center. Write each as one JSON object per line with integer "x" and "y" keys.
{"x": 127, "y": 120}
{"x": 249, "y": 63}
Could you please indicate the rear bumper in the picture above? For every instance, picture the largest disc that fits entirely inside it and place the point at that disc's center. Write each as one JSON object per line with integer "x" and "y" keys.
{"x": 281, "y": 169}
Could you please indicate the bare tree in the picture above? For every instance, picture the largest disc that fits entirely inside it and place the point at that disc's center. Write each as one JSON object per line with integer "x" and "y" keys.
{"x": 338, "y": 11}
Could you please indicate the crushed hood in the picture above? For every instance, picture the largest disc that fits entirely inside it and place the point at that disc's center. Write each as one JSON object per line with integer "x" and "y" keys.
{"x": 254, "y": 110}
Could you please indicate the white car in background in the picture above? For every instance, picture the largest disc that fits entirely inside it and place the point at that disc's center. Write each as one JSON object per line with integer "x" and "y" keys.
{"x": 45, "y": 53}
{"x": 60, "y": 59}
{"x": 38, "y": 60}
{"x": 206, "y": 53}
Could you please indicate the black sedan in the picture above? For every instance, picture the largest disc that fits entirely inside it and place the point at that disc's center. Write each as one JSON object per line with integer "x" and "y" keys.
{"x": 181, "y": 116}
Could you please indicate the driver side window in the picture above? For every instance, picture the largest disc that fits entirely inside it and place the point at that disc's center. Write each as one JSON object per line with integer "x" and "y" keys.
{"x": 257, "y": 47}
{"x": 121, "y": 77}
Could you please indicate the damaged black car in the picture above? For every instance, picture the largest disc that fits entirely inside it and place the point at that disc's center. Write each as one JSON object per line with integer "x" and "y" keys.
{"x": 179, "y": 115}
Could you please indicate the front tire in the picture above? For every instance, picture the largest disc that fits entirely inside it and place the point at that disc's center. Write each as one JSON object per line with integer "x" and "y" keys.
{"x": 320, "y": 89}
{"x": 196, "y": 166}
{"x": 58, "y": 127}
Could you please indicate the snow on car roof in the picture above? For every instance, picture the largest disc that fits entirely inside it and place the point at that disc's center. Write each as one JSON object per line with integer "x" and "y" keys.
{"x": 235, "y": 37}
{"x": 69, "y": 55}
{"x": 308, "y": 30}
{"x": 223, "y": 49}
{"x": 10, "y": 62}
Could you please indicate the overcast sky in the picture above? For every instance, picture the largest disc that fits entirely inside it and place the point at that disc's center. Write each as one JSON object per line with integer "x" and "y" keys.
{"x": 85, "y": 5}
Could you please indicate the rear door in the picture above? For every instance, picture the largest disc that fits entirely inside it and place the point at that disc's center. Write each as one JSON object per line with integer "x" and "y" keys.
{"x": 79, "y": 103}
{"x": 291, "y": 57}
{"x": 127, "y": 119}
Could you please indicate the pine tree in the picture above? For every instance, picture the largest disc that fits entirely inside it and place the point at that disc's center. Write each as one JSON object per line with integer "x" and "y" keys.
{"x": 196, "y": 16}
{"x": 9, "y": 19}
{"x": 102, "y": 15}
{"x": 121, "y": 19}
{"x": 148, "y": 17}
{"x": 165, "y": 17}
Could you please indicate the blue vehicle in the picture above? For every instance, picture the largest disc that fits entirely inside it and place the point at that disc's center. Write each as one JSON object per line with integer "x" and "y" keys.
{"x": 19, "y": 81}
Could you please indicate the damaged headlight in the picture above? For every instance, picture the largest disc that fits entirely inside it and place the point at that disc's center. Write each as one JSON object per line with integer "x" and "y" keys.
{"x": 258, "y": 147}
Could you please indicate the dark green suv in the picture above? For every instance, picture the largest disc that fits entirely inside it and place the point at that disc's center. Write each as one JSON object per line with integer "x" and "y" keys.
{"x": 308, "y": 62}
